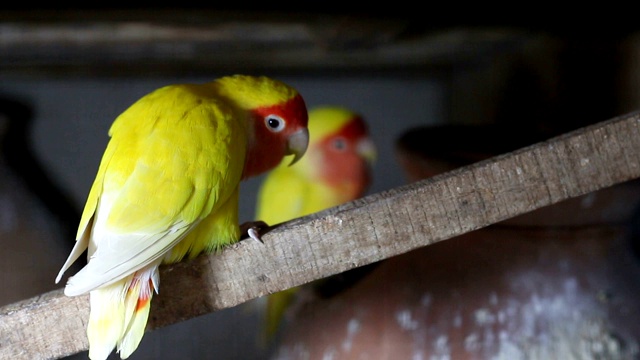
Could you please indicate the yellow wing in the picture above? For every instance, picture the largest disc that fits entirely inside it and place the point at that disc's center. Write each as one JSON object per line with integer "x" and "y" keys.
{"x": 280, "y": 196}
{"x": 286, "y": 194}
{"x": 167, "y": 167}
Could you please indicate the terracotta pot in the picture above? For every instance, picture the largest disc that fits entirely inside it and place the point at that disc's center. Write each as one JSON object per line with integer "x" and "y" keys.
{"x": 561, "y": 282}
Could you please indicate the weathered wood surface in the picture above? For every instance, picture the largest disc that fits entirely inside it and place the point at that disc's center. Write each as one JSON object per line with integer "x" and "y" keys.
{"x": 136, "y": 42}
{"x": 357, "y": 233}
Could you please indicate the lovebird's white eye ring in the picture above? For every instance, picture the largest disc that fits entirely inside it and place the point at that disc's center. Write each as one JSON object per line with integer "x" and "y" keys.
{"x": 274, "y": 123}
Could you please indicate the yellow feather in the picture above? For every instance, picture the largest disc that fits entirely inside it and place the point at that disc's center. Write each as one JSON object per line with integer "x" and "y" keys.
{"x": 106, "y": 320}
{"x": 285, "y": 194}
{"x": 256, "y": 92}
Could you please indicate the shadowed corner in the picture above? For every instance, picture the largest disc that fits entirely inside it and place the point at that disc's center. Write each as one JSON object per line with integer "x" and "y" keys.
{"x": 634, "y": 233}
{"x": 38, "y": 218}
{"x": 20, "y": 157}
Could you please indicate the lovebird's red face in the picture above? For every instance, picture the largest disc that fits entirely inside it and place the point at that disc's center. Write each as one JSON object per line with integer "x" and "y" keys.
{"x": 347, "y": 155}
{"x": 280, "y": 130}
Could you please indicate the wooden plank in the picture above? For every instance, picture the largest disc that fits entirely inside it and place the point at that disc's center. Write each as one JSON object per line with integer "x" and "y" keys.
{"x": 373, "y": 228}
{"x": 173, "y": 41}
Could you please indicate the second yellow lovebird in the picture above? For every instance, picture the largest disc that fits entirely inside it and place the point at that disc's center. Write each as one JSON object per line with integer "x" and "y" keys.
{"x": 336, "y": 168}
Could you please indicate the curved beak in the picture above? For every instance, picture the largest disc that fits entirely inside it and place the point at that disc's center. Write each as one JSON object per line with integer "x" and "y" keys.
{"x": 367, "y": 150}
{"x": 297, "y": 144}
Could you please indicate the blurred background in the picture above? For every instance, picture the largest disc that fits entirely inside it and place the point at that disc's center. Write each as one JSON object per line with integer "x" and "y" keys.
{"x": 66, "y": 73}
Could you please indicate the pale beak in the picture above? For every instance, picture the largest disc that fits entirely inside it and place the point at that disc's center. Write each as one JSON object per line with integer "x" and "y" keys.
{"x": 297, "y": 144}
{"x": 367, "y": 150}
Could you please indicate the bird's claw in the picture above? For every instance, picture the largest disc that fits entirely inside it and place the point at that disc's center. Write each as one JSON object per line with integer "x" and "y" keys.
{"x": 254, "y": 234}
{"x": 252, "y": 229}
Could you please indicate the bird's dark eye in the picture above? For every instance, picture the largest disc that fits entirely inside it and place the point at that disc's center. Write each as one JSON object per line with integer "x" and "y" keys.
{"x": 340, "y": 144}
{"x": 274, "y": 123}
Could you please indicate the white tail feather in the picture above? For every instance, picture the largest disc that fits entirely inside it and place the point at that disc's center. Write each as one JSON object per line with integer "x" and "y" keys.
{"x": 106, "y": 320}
{"x": 78, "y": 249}
{"x": 119, "y": 314}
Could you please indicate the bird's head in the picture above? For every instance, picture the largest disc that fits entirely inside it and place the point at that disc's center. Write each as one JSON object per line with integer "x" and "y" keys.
{"x": 341, "y": 151}
{"x": 278, "y": 124}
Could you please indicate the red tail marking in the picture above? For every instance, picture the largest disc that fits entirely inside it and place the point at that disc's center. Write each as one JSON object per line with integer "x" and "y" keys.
{"x": 144, "y": 294}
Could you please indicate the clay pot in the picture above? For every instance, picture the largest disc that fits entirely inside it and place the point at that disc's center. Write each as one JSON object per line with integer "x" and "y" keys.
{"x": 562, "y": 282}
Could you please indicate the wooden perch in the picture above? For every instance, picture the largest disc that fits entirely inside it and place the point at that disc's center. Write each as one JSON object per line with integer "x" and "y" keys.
{"x": 373, "y": 228}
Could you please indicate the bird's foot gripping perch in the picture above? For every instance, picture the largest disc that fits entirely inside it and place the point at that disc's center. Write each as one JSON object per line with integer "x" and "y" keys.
{"x": 252, "y": 229}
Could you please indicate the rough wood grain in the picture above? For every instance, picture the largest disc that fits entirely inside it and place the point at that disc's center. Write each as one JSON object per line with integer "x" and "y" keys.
{"x": 137, "y": 42}
{"x": 357, "y": 233}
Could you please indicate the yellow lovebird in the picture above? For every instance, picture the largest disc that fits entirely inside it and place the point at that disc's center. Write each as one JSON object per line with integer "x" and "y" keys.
{"x": 167, "y": 189}
{"x": 336, "y": 169}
